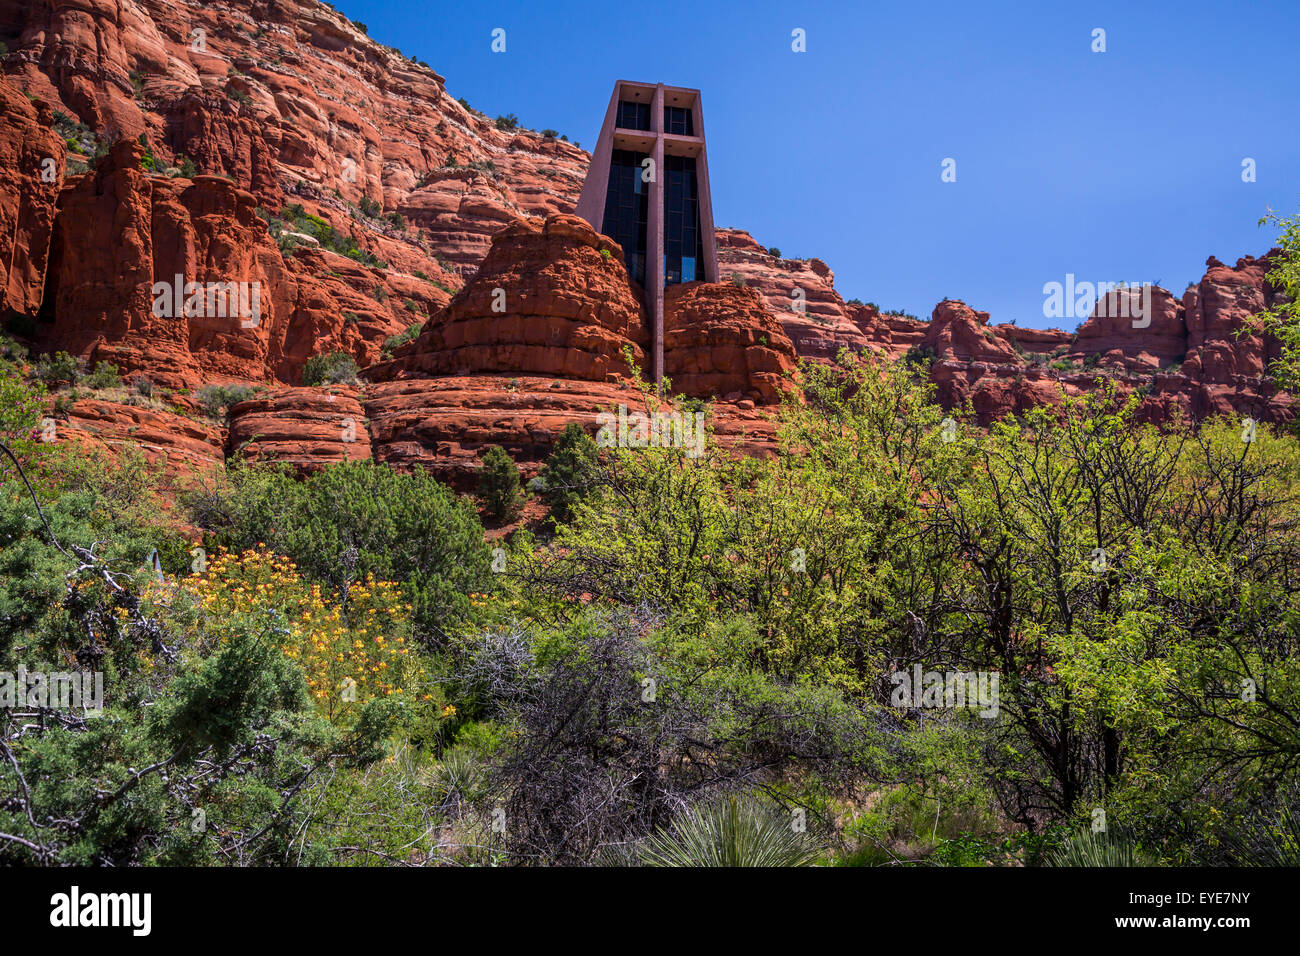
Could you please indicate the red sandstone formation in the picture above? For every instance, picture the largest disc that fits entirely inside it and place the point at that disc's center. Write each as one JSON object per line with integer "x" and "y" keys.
{"x": 1036, "y": 341}
{"x": 1216, "y": 309}
{"x": 957, "y": 331}
{"x": 122, "y": 230}
{"x": 294, "y": 103}
{"x": 335, "y": 109}
{"x": 997, "y": 391}
{"x": 720, "y": 341}
{"x": 31, "y": 158}
{"x": 799, "y": 292}
{"x": 208, "y": 128}
{"x": 549, "y": 299}
{"x": 305, "y": 427}
{"x": 1133, "y": 329}
{"x": 444, "y": 424}
{"x": 569, "y": 312}
{"x": 183, "y": 447}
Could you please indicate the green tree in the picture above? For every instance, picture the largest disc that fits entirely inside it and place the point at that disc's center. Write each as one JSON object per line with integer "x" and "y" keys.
{"x": 570, "y": 473}
{"x": 1283, "y": 319}
{"x": 498, "y": 485}
{"x": 330, "y": 368}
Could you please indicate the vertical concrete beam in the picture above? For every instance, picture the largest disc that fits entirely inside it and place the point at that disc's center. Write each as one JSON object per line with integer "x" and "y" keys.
{"x": 709, "y": 267}
{"x": 591, "y": 203}
{"x": 654, "y": 272}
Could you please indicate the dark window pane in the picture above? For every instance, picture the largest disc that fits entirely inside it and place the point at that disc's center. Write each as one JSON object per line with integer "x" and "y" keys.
{"x": 682, "y": 242}
{"x": 627, "y": 208}
{"x": 633, "y": 115}
{"x": 679, "y": 120}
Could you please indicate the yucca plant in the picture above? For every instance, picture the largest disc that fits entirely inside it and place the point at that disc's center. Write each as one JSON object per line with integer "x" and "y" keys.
{"x": 1269, "y": 836}
{"x": 1098, "y": 849}
{"x": 731, "y": 832}
{"x": 458, "y": 777}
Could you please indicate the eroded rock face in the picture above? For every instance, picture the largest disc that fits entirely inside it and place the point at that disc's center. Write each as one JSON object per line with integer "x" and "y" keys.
{"x": 799, "y": 292}
{"x": 720, "y": 341}
{"x": 1037, "y": 341}
{"x": 207, "y": 129}
{"x": 1134, "y": 329}
{"x": 291, "y": 92}
{"x": 997, "y": 391}
{"x": 445, "y": 424}
{"x": 31, "y": 158}
{"x": 121, "y": 231}
{"x": 956, "y": 331}
{"x": 551, "y": 298}
{"x": 307, "y": 428}
{"x": 183, "y": 447}
{"x": 1216, "y": 310}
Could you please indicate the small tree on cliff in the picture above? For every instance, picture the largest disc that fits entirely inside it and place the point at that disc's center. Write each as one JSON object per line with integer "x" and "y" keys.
{"x": 1283, "y": 319}
{"x": 570, "y": 472}
{"x": 498, "y": 485}
{"x": 335, "y": 367}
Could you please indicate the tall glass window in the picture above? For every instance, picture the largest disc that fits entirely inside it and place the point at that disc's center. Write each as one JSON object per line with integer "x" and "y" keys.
{"x": 677, "y": 119}
{"x": 633, "y": 115}
{"x": 627, "y": 209}
{"x": 683, "y": 242}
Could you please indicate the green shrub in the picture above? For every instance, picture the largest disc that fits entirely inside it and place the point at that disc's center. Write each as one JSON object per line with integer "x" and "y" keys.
{"x": 328, "y": 369}
{"x": 294, "y": 218}
{"x": 12, "y": 351}
{"x": 921, "y": 355}
{"x": 731, "y": 832}
{"x": 354, "y": 519}
{"x": 1090, "y": 849}
{"x": 213, "y": 400}
{"x": 21, "y": 406}
{"x": 498, "y": 485}
{"x": 508, "y": 123}
{"x": 105, "y": 375}
{"x": 60, "y": 369}
{"x": 570, "y": 472}
{"x": 409, "y": 334}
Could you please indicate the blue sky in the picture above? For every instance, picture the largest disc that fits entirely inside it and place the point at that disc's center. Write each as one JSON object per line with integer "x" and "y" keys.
{"x": 1117, "y": 166}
